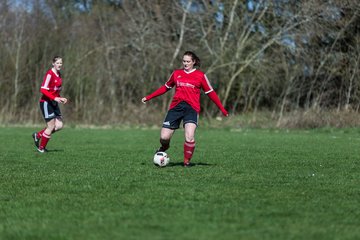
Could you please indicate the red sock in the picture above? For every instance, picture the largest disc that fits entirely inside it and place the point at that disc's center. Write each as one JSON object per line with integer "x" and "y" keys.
{"x": 189, "y": 148}
{"x": 44, "y": 140}
{"x": 39, "y": 134}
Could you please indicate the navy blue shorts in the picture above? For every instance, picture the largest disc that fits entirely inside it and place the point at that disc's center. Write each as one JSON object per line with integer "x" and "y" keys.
{"x": 181, "y": 112}
{"x": 50, "y": 110}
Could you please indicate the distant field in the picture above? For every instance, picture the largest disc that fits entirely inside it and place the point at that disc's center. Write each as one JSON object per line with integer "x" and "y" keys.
{"x": 248, "y": 184}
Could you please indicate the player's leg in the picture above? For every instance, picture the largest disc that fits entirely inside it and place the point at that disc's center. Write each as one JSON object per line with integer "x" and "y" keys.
{"x": 191, "y": 119}
{"x": 37, "y": 135}
{"x": 59, "y": 124}
{"x": 189, "y": 144}
{"x": 165, "y": 137}
{"x": 170, "y": 124}
{"x": 46, "y": 135}
{"x": 48, "y": 110}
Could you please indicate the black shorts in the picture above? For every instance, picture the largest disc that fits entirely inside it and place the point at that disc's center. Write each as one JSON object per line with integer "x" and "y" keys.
{"x": 50, "y": 110}
{"x": 181, "y": 112}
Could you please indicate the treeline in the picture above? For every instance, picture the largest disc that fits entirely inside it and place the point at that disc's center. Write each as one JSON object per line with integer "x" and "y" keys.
{"x": 279, "y": 56}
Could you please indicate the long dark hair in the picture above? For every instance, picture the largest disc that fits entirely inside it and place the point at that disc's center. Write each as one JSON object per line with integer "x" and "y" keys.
{"x": 193, "y": 57}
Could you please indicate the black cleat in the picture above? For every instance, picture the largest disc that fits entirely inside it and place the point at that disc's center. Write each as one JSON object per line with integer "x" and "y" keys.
{"x": 36, "y": 140}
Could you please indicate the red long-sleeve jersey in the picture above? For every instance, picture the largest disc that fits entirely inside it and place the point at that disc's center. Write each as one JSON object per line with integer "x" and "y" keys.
{"x": 188, "y": 87}
{"x": 51, "y": 86}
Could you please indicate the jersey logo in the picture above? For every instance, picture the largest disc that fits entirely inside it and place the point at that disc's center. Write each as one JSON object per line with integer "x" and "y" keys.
{"x": 179, "y": 76}
{"x": 184, "y": 84}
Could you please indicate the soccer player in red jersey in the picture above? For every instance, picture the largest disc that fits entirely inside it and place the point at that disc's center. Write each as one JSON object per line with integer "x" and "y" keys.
{"x": 49, "y": 105}
{"x": 185, "y": 105}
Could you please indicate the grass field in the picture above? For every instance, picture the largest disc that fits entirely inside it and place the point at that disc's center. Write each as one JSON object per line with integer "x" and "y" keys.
{"x": 245, "y": 184}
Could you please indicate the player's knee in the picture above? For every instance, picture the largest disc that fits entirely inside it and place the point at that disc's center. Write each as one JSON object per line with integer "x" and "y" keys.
{"x": 58, "y": 126}
{"x": 189, "y": 137}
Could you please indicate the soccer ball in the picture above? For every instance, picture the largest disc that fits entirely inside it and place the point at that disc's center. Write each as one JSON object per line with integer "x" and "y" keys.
{"x": 161, "y": 159}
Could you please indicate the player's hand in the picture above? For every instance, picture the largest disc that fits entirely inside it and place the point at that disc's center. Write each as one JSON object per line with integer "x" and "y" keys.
{"x": 225, "y": 113}
{"x": 61, "y": 100}
{"x": 144, "y": 100}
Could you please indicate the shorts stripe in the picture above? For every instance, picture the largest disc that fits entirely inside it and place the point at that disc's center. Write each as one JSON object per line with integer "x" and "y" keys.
{"x": 46, "y": 110}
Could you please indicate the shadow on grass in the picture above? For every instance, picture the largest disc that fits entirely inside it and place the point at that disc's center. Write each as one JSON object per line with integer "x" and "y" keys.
{"x": 54, "y": 150}
{"x": 192, "y": 164}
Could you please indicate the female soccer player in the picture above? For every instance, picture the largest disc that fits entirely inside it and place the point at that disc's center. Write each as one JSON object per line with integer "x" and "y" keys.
{"x": 185, "y": 105}
{"x": 49, "y": 105}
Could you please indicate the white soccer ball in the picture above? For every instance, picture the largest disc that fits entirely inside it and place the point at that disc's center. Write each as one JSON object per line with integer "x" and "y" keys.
{"x": 161, "y": 159}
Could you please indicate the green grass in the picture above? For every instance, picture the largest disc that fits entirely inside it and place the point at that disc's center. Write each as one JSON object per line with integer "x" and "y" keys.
{"x": 248, "y": 184}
